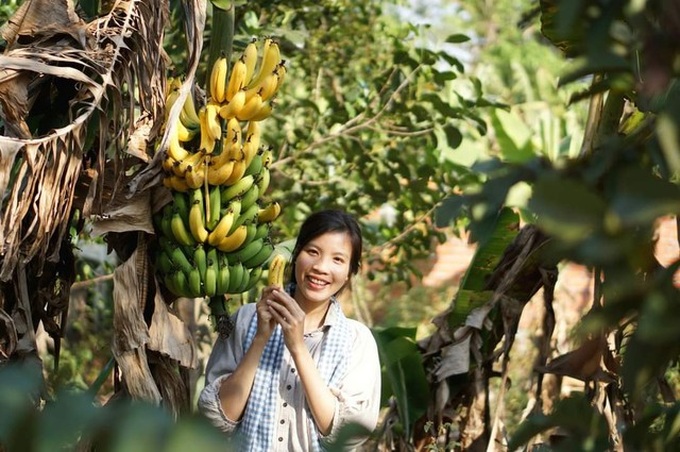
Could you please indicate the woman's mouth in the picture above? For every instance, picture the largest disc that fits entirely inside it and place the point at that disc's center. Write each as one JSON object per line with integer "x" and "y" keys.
{"x": 317, "y": 282}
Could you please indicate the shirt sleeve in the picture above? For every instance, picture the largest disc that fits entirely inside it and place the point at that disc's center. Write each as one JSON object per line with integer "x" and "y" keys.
{"x": 358, "y": 403}
{"x": 225, "y": 356}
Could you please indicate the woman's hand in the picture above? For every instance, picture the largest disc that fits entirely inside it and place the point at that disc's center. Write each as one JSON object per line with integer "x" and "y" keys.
{"x": 265, "y": 320}
{"x": 287, "y": 313}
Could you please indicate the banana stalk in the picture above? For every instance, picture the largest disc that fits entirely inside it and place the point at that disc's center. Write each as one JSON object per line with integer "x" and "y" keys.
{"x": 222, "y": 35}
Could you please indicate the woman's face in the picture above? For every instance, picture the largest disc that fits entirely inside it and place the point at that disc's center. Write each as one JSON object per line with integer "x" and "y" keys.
{"x": 322, "y": 268}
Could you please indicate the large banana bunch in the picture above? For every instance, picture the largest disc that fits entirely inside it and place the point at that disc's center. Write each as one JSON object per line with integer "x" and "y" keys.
{"x": 213, "y": 238}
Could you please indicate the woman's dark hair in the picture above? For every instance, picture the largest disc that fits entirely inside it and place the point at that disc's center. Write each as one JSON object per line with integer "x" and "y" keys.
{"x": 331, "y": 220}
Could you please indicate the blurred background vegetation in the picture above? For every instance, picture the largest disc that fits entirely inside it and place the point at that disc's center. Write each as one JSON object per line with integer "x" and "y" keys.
{"x": 425, "y": 119}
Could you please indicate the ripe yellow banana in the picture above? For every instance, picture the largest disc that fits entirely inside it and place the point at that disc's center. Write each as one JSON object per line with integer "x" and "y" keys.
{"x": 172, "y": 84}
{"x": 236, "y": 79}
{"x": 175, "y": 148}
{"x": 236, "y": 151}
{"x": 191, "y": 161}
{"x": 169, "y": 163}
{"x": 207, "y": 144}
{"x": 237, "y": 172}
{"x": 233, "y": 132}
{"x": 233, "y": 241}
{"x": 269, "y": 213}
{"x": 220, "y": 172}
{"x": 197, "y": 221}
{"x": 222, "y": 228}
{"x": 251, "y": 108}
{"x": 234, "y": 106}
{"x": 195, "y": 175}
{"x": 271, "y": 57}
{"x": 176, "y": 183}
{"x": 170, "y": 100}
{"x": 252, "y": 141}
{"x": 218, "y": 79}
{"x": 282, "y": 70}
{"x": 217, "y": 160}
{"x": 267, "y": 88}
{"x": 250, "y": 59}
{"x": 184, "y": 134}
{"x": 212, "y": 118}
{"x": 179, "y": 230}
{"x": 277, "y": 267}
{"x": 188, "y": 115}
{"x": 264, "y": 112}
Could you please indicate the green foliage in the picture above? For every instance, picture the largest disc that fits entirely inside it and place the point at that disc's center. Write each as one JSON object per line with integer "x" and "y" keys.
{"x": 362, "y": 121}
{"x": 473, "y": 292}
{"x": 404, "y": 376}
{"x": 7, "y": 8}
{"x": 600, "y": 205}
{"x": 72, "y": 419}
{"x": 583, "y": 428}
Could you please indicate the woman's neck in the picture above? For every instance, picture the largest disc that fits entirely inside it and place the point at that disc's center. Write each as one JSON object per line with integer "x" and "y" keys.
{"x": 314, "y": 314}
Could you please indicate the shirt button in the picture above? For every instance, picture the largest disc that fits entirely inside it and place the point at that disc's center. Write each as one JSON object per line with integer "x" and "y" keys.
{"x": 280, "y": 438}
{"x": 282, "y": 421}
{"x": 292, "y": 370}
{"x": 285, "y": 404}
{"x": 288, "y": 387}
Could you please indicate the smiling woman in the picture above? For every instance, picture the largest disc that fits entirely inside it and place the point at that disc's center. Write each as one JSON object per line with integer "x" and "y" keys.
{"x": 295, "y": 370}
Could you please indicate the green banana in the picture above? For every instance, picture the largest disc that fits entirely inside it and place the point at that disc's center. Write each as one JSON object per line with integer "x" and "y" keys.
{"x": 200, "y": 260}
{"x": 244, "y": 281}
{"x": 251, "y": 229}
{"x": 194, "y": 283}
{"x": 237, "y": 189}
{"x": 180, "y": 283}
{"x": 246, "y": 216}
{"x": 236, "y": 273}
{"x": 255, "y": 165}
{"x": 263, "y": 180}
{"x": 233, "y": 206}
{"x": 176, "y": 254}
{"x": 222, "y": 274}
{"x": 164, "y": 263}
{"x": 261, "y": 256}
{"x": 250, "y": 197}
{"x": 166, "y": 229}
{"x": 249, "y": 251}
{"x": 215, "y": 206}
{"x": 210, "y": 279}
{"x": 255, "y": 275}
{"x": 169, "y": 283}
{"x": 181, "y": 203}
{"x": 262, "y": 231}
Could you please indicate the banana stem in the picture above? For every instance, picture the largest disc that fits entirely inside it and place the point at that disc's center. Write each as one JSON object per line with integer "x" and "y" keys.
{"x": 219, "y": 313}
{"x": 221, "y": 37}
{"x": 218, "y": 305}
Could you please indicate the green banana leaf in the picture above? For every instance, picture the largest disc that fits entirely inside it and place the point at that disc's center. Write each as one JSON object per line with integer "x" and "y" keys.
{"x": 403, "y": 373}
{"x": 472, "y": 293}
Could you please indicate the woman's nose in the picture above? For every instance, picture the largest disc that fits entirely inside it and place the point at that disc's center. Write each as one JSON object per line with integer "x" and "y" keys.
{"x": 320, "y": 264}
